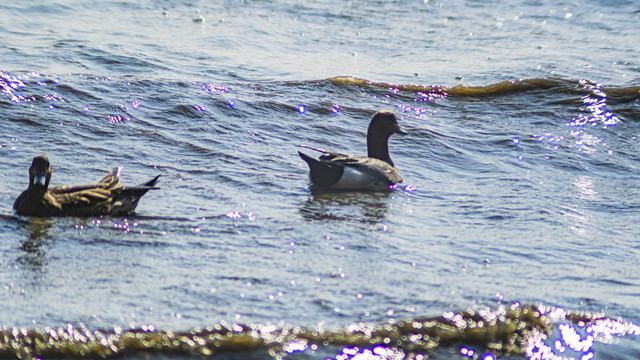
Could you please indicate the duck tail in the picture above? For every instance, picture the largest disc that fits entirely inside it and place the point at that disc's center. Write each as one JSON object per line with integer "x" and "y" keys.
{"x": 322, "y": 174}
{"x": 151, "y": 182}
{"x": 128, "y": 197}
{"x": 308, "y": 159}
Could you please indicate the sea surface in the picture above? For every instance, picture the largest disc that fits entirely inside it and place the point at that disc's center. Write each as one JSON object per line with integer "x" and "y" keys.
{"x": 521, "y": 200}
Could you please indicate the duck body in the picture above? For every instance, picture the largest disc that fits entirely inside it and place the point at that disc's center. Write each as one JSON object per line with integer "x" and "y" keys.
{"x": 376, "y": 172}
{"x": 107, "y": 197}
{"x": 334, "y": 171}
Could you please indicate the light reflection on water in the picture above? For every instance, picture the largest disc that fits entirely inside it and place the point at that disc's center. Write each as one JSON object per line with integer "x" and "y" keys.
{"x": 586, "y": 188}
{"x": 576, "y": 341}
{"x": 376, "y": 353}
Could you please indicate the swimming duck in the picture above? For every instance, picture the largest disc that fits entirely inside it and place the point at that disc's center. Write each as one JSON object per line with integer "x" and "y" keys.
{"x": 107, "y": 197}
{"x": 376, "y": 172}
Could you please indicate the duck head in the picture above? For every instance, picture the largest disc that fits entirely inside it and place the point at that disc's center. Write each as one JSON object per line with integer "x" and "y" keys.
{"x": 40, "y": 173}
{"x": 383, "y": 124}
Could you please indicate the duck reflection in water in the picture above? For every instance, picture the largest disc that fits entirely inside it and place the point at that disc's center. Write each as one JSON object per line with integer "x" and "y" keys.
{"x": 33, "y": 246}
{"x": 369, "y": 208}
{"x": 38, "y": 229}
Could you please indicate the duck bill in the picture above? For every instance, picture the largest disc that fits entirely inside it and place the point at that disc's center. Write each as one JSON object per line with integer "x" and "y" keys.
{"x": 401, "y": 131}
{"x": 40, "y": 179}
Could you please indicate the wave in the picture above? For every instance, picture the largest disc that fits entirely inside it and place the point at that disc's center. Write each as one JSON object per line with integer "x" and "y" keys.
{"x": 630, "y": 93}
{"x": 9, "y": 83}
{"x": 508, "y": 330}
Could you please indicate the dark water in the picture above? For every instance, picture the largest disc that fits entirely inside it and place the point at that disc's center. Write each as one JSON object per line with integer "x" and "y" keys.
{"x": 521, "y": 168}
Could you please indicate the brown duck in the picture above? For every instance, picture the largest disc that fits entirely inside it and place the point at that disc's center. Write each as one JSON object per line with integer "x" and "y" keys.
{"x": 375, "y": 172}
{"x": 107, "y": 197}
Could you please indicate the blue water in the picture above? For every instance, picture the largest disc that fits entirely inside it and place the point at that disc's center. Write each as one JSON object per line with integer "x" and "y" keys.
{"x": 522, "y": 172}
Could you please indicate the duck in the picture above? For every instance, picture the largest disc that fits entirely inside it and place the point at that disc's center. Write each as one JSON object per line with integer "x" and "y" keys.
{"x": 334, "y": 171}
{"x": 107, "y": 197}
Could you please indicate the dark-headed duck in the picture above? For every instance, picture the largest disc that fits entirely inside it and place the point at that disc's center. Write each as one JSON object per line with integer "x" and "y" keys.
{"x": 375, "y": 172}
{"x": 107, "y": 197}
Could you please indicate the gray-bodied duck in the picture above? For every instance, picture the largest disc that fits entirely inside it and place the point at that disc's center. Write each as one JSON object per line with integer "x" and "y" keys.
{"x": 375, "y": 172}
{"x": 107, "y": 197}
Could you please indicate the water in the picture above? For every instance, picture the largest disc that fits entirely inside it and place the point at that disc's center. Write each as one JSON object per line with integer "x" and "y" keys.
{"x": 521, "y": 164}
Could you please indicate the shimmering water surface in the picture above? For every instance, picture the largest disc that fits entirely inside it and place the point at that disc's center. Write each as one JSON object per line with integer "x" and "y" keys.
{"x": 521, "y": 174}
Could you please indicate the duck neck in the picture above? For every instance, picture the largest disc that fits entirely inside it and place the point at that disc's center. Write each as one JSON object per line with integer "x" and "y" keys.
{"x": 37, "y": 191}
{"x": 378, "y": 147}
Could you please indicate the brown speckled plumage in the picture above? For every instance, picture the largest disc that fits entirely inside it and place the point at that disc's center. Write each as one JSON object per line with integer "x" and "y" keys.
{"x": 107, "y": 197}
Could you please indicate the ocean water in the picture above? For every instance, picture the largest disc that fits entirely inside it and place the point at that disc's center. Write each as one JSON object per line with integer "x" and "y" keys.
{"x": 520, "y": 165}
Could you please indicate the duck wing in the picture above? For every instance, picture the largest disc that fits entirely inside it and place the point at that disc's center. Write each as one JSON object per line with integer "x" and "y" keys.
{"x": 107, "y": 197}
{"x": 371, "y": 167}
{"x": 83, "y": 200}
{"x": 109, "y": 183}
